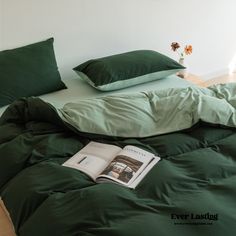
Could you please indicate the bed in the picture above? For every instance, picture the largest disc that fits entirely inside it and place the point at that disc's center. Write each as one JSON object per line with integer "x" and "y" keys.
{"x": 191, "y": 191}
{"x": 79, "y": 89}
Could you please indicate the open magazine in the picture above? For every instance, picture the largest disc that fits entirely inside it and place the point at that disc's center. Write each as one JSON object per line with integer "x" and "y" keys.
{"x": 110, "y": 163}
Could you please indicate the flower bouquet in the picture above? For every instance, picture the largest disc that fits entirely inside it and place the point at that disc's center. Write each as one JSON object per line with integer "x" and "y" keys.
{"x": 188, "y": 49}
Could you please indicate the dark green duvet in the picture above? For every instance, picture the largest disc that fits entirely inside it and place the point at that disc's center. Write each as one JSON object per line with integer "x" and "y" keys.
{"x": 191, "y": 191}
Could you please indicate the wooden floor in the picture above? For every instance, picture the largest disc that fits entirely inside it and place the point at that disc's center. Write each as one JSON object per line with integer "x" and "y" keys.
{"x": 220, "y": 80}
{"x": 217, "y": 80}
{"x": 6, "y": 228}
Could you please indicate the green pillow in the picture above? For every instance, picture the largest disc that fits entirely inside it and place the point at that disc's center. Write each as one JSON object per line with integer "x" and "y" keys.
{"x": 127, "y": 69}
{"x": 28, "y": 71}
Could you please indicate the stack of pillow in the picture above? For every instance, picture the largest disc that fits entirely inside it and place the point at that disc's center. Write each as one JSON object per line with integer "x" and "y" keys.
{"x": 32, "y": 71}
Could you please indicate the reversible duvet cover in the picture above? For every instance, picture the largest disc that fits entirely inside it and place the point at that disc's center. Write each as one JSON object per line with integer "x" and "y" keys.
{"x": 191, "y": 191}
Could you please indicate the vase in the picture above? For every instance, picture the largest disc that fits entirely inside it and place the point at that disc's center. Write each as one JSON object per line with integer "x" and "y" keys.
{"x": 183, "y": 73}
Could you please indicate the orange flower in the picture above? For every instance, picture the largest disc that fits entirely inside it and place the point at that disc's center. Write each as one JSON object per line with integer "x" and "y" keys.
{"x": 188, "y": 49}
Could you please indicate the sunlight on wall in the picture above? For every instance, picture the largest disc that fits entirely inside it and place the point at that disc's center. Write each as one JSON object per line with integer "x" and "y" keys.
{"x": 232, "y": 65}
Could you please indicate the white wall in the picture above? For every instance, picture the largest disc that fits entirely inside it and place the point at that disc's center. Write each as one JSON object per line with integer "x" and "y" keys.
{"x": 85, "y": 29}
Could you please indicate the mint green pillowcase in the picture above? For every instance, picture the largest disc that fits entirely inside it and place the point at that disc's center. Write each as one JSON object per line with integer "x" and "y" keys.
{"x": 127, "y": 69}
{"x": 28, "y": 71}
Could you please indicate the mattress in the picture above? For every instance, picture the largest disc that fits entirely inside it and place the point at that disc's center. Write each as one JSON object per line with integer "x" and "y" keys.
{"x": 79, "y": 89}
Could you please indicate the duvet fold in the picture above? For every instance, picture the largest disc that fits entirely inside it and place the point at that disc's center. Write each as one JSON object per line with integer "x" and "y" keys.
{"x": 146, "y": 114}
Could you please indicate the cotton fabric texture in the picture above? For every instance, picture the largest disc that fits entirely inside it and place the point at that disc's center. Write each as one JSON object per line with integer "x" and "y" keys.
{"x": 127, "y": 69}
{"x": 28, "y": 71}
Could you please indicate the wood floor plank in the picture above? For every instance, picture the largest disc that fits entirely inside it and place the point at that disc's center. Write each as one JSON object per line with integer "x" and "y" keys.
{"x": 6, "y": 228}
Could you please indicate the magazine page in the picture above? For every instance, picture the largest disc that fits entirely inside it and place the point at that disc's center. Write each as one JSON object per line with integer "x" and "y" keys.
{"x": 139, "y": 178}
{"x": 93, "y": 158}
{"x": 126, "y": 166}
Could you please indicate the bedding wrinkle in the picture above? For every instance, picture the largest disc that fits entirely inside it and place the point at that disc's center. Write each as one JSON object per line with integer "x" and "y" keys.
{"x": 162, "y": 111}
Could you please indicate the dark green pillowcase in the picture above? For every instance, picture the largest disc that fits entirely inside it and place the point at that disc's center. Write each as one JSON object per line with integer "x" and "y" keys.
{"x": 28, "y": 71}
{"x": 127, "y": 69}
